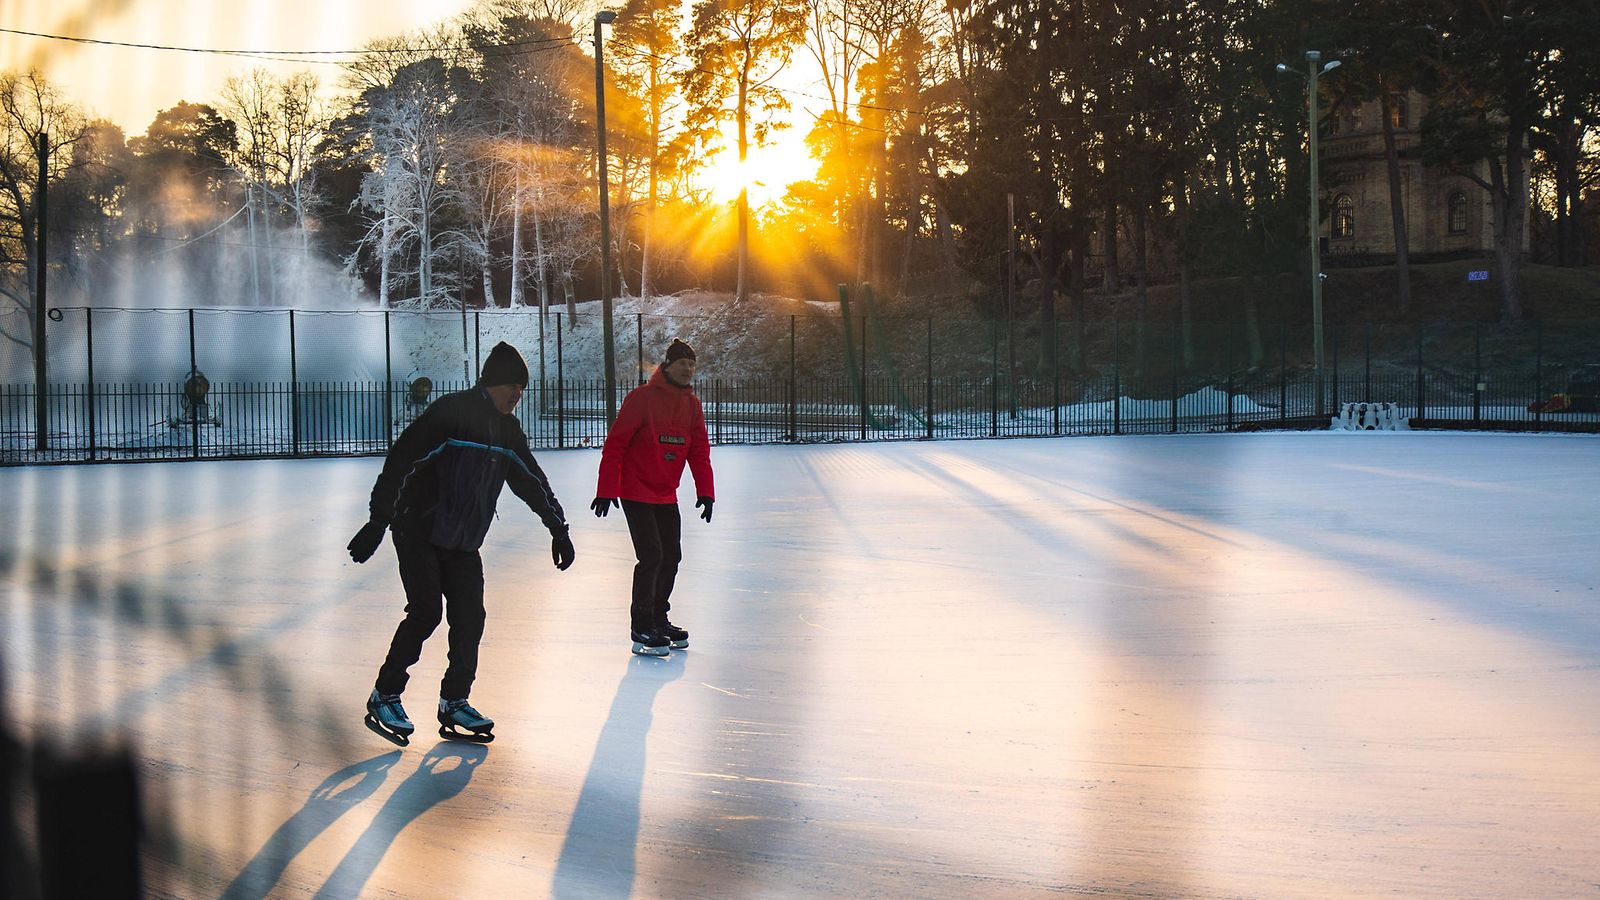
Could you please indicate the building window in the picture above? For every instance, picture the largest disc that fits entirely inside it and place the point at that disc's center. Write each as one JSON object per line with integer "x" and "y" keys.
{"x": 1456, "y": 209}
{"x": 1399, "y": 113}
{"x": 1344, "y": 217}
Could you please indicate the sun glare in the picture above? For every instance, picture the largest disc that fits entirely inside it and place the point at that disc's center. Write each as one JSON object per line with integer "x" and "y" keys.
{"x": 767, "y": 172}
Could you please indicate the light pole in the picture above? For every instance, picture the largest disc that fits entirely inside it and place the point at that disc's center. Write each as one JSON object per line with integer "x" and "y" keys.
{"x": 1313, "y": 71}
{"x": 604, "y": 17}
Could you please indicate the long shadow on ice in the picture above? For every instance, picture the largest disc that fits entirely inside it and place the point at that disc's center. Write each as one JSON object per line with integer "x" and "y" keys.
{"x": 435, "y": 781}
{"x": 335, "y": 796}
{"x": 598, "y": 857}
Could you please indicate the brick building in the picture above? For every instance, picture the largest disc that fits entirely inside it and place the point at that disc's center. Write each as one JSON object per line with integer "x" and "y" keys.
{"x": 1447, "y": 215}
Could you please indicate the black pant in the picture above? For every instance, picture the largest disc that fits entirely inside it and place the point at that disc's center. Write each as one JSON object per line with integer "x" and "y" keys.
{"x": 432, "y": 575}
{"x": 656, "y": 529}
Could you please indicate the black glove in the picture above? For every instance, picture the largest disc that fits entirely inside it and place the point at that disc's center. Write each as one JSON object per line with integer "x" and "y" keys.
{"x": 706, "y": 502}
{"x": 367, "y": 541}
{"x": 561, "y": 550}
{"x": 602, "y": 505}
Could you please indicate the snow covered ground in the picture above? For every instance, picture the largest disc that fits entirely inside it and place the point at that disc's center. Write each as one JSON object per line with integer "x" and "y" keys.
{"x": 1265, "y": 665}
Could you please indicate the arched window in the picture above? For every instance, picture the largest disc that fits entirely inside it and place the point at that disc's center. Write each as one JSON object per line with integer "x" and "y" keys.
{"x": 1344, "y": 217}
{"x": 1456, "y": 211}
{"x": 1399, "y": 112}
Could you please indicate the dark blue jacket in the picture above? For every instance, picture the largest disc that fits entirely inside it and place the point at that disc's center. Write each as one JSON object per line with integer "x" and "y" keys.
{"x": 443, "y": 475}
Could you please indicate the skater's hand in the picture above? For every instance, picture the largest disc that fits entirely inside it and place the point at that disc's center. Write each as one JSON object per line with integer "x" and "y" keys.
{"x": 602, "y": 505}
{"x": 561, "y": 550}
{"x": 706, "y": 502}
{"x": 367, "y": 541}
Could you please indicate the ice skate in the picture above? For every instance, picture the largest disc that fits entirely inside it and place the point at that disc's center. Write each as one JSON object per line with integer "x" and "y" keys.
{"x": 387, "y": 718}
{"x": 677, "y": 638}
{"x": 458, "y": 721}
{"x": 651, "y": 643}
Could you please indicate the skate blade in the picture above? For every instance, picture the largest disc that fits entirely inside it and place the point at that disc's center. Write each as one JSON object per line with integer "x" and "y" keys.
{"x": 642, "y": 650}
{"x": 471, "y": 737}
{"x": 679, "y": 645}
{"x": 393, "y": 737}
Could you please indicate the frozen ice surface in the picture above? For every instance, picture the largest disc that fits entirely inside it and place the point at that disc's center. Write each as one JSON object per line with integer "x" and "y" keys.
{"x": 1274, "y": 665}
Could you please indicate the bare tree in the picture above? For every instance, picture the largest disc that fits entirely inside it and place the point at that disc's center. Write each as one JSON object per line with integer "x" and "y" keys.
{"x": 29, "y": 108}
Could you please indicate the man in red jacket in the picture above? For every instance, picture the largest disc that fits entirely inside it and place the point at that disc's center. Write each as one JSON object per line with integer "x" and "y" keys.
{"x": 659, "y": 429}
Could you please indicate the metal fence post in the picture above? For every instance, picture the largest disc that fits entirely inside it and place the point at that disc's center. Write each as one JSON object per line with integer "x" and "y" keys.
{"x": 294, "y": 391}
{"x": 89, "y": 333}
{"x": 994, "y": 378}
{"x": 477, "y": 342}
{"x": 638, "y": 340}
{"x": 865, "y": 414}
{"x": 1477, "y": 372}
{"x": 194, "y": 367}
{"x": 1228, "y": 343}
{"x": 388, "y": 386}
{"x": 794, "y": 425}
{"x": 1173, "y": 344}
{"x": 1055, "y": 376}
{"x": 1283, "y": 372}
{"x": 1421, "y": 396}
{"x": 561, "y": 391}
{"x": 1116, "y": 375}
{"x": 1366, "y": 393}
{"x": 1335, "y": 386}
{"x": 1538, "y": 374}
{"x": 927, "y": 418}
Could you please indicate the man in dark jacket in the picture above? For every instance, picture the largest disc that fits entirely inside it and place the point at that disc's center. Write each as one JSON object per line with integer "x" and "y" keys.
{"x": 437, "y": 493}
{"x": 660, "y": 428}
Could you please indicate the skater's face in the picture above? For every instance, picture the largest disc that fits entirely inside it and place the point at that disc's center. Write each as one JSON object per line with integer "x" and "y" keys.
{"x": 505, "y": 397}
{"x": 680, "y": 371}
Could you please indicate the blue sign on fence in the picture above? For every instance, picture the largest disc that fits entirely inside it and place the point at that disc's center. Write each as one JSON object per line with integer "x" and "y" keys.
{"x": 1478, "y": 275}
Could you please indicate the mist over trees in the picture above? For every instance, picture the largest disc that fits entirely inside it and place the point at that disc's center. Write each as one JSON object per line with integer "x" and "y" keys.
{"x": 1137, "y": 142}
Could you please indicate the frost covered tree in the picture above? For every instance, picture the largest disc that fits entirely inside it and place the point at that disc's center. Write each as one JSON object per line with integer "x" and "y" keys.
{"x": 408, "y": 123}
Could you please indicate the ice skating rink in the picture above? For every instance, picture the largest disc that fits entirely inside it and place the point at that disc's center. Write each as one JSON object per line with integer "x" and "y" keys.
{"x": 1260, "y": 665}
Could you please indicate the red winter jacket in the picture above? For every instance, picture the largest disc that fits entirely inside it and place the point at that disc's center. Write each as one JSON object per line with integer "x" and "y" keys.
{"x": 659, "y": 428}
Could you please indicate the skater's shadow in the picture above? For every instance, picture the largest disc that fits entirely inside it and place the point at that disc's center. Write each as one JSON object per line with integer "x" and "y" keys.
{"x": 444, "y": 772}
{"x": 335, "y": 796}
{"x": 598, "y": 855}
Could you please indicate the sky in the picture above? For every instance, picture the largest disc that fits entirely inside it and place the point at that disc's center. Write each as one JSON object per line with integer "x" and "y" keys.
{"x": 130, "y": 85}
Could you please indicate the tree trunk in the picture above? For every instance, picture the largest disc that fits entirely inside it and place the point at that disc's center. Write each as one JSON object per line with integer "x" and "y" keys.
{"x": 572, "y": 299}
{"x": 1511, "y": 218}
{"x": 384, "y": 245}
{"x": 741, "y": 290}
{"x": 1141, "y": 262}
{"x": 1252, "y": 324}
{"x": 255, "y": 253}
{"x": 1113, "y": 273}
{"x": 1397, "y": 207}
{"x": 540, "y": 260}
{"x": 1080, "y": 277}
{"x": 489, "y": 301}
{"x": 1185, "y": 301}
{"x": 516, "y": 245}
{"x": 1048, "y": 262}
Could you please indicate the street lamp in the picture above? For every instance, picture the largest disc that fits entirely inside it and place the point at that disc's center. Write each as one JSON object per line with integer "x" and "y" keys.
{"x": 1313, "y": 71}
{"x": 604, "y": 17}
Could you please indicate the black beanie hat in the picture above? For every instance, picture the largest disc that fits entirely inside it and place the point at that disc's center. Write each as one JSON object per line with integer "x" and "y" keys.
{"x": 504, "y": 366}
{"x": 679, "y": 350}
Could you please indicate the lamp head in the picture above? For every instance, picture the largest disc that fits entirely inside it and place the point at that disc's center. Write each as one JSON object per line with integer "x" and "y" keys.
{"x": 1282, "y": 67}
{"x": 605, "y": 17}
{"x": 1330, "y": 66}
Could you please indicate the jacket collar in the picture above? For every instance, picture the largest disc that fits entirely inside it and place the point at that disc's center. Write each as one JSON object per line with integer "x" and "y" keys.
{"x": 659, "y": 380}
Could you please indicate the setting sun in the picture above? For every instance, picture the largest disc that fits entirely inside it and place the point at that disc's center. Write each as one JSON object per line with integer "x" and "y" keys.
{"x": 767, "y": 172}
